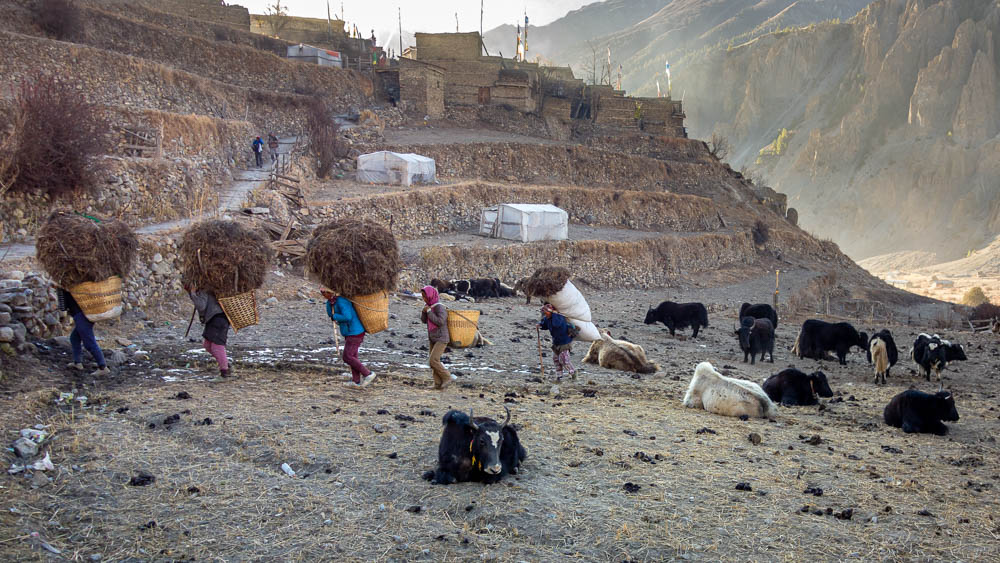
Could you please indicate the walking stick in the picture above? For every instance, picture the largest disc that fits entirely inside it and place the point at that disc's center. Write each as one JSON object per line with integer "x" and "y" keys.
{"x": 191, "y": 322}
{"x": 541, "y": 366}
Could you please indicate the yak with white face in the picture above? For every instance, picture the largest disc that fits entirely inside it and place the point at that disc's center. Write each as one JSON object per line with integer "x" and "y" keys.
{"x": 476, "y": 449}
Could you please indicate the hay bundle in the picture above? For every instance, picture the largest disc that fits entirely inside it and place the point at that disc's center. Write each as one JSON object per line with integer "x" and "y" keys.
{"x": 224, "y": 257}
{"x": 75, "y": 249}
{"x": 354, "y": 257}
{"x": 546, "y": 281}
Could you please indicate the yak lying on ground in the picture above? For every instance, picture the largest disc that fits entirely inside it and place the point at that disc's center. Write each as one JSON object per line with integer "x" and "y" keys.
{"x": 932, "y": 352}
{"x": 883, "y": 353}
{"x": 759, "y": 311}
{"x": 476, "y": 449}
{"x": 793, "y": 387}
{"x": 716, "y": 393}
{"x": 916, "y": 411}
{"x": 679, "y": 315}
{"x": 480, "y": 288}
{"x": 756, "y": 336}
{"x": 619, "y": 354}
{"x": 818, "y": 337}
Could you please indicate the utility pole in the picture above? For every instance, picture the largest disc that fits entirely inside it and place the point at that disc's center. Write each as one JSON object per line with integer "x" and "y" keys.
{"x": 400, "y": 32}
{"x": 456, "y": 22}
{"x": 481, "y": 7}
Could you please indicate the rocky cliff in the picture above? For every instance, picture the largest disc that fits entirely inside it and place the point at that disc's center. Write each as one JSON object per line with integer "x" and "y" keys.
{"x": 892, "y": 122}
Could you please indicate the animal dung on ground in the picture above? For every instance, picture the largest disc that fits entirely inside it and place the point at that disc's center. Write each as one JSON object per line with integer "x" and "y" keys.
{"x": 354, "y": 257}
{"x": 142, "y": 479}
{"x": 75, "y": 249}
{"x": 224, "y": 257}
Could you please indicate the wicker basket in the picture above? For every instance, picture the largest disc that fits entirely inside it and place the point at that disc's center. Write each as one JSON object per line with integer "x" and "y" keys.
{"x": 99, "y": 301}
{"x": 241, "y": 310}
{"x": 373, "y": 310}
{"x": 462, "y": 328}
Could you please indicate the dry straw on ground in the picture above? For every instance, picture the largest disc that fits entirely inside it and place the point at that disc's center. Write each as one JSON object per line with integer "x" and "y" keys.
{"x": 224, "y": 257}
{"x": 546, "y": 281}
{"x": 354, "y": 257}
{"x": 74, "y": 248}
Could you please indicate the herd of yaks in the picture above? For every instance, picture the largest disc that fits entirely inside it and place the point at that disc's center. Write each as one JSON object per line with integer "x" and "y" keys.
{"x": 481, "y": 449}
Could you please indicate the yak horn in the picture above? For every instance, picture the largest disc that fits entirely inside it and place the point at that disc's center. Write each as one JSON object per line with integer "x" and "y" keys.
{"x": 472, "y": 422}
{"x": 508, "y": 415}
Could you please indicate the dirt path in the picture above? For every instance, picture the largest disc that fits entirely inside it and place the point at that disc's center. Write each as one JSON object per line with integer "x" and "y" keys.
{"x": 457, "y": 136}
{"x": 230, "y": 199}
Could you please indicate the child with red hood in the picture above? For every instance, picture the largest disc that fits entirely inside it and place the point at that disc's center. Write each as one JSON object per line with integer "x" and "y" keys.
{"x": 435, "y": 314}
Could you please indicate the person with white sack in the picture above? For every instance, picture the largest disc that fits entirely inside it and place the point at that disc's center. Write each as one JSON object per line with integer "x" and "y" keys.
{"x": 562, "y": 332}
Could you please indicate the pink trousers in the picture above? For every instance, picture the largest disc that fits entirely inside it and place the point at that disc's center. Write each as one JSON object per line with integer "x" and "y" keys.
{"x": 218, "y": 351}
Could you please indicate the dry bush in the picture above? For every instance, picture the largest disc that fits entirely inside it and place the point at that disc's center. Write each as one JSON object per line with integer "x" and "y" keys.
{"x": 975, "y": 297}
{"x": 353, "y": 257}
{"x": 224, "y": 257}
{"x": 719, "y": 147}
{"x": 61, "y": 133}
{"x": 760, "y": 232}
{"x": 74, "y": 248}
{"x": 325, "y": 142}
{"x": 58, "y": 18}
{"x": 546, "y": 281}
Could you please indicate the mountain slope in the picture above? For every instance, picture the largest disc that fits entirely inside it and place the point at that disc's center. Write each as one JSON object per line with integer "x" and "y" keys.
{"x": 893, "y": 120}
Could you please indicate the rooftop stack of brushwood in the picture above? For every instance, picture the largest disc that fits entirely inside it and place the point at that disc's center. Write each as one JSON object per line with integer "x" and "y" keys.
{"x": 229, "y": 260}
{"x": 89, "y": 257}
{"x": 360, "y": 261}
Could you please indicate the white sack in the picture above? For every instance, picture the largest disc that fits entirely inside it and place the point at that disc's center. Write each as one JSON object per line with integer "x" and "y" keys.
{"x": 570, "y": 303}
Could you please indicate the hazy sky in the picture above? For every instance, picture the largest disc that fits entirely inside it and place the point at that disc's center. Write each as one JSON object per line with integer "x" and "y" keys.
{"x": 424, "y": 15}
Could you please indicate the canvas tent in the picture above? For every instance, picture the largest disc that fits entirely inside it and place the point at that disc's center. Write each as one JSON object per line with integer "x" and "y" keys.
{"x": 526, "y": 222}
{"x": 385, "y": 167}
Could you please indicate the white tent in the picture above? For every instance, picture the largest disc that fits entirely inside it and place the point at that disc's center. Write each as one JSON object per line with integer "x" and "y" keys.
{"x": 385, "y": 167}
{"x": 526, "y": 222}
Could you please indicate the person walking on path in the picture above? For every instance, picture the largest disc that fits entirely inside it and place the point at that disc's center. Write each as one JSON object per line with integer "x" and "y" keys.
{"x": 272, "y": 147}
{"x": 258, "y": 151}
{"x": 342, "y": 312}
{"x": 562, "y": 339}
{"x": 83, "y": 337}
{"x": 216, "y": 325}
{"x": 435, "y": 314}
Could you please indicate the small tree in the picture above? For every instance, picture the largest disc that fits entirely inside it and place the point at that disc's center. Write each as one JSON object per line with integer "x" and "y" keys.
{"x": 58, "y": 18}
{"x": 974, "y": 297}
{"x": 325, "y": 142}
{"x": 56, "y": 136}
{"x": 719, "y": 146}
{"x": 276, "y": 17}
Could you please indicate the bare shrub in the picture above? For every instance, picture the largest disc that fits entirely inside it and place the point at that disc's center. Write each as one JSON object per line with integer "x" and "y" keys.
{"x": 985, "y": 311}
{"x": 58, "y": 18}
{"x": 276, "y": 17}
{"x": 719, "y": 147}
{"x": 325, "y": 142}
{"x": 60, "y": 136}
{"x": 760, "y": 231}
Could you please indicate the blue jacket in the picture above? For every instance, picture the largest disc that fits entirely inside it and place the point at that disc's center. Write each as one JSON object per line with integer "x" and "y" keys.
{"x": 343, "y": 312}
{"x": 558, "y": 327}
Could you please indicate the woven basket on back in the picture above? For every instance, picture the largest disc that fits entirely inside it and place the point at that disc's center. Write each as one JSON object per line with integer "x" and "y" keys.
{"x": 462, "y": 328}
{"x": 373, "y": 310}
{"x": 101, "y": 300}
{"x": 241, "y": 310}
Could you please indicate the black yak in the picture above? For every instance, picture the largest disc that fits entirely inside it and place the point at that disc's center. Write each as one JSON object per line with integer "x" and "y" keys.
{"x": 793, "y": 387}
{"x": 916, "y": 411}
{"x": 476, "y": 449}
{"x": 932, "y": 352}
{"x": 756, "y": 336}
{"x": 679, "y": 315}
{"x": 883, "y": 353}
{"x": 818, "y": 337}
{"x": 759, "y": 311}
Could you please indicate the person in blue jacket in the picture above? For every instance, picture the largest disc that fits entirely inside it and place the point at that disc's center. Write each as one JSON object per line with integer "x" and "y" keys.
{"x": 341, "y": 310}
{"x": 562, "y": 332}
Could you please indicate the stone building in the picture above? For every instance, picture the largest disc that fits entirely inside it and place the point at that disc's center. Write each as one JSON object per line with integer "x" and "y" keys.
{"x": 422, "y": 85}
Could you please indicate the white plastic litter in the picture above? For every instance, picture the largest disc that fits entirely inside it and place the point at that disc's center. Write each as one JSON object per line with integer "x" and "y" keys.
{"x": 44, "y": 464}
{"x": 288, "y": 469}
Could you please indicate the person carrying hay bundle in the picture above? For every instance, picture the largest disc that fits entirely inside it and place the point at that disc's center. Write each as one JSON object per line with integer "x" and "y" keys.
{"x": 562, "y": 332}
{"x": 435, "y": 316}
{"x": 87, "y": 258}
{"x": 216, "y": 332}
{"x": 341, "y": 310}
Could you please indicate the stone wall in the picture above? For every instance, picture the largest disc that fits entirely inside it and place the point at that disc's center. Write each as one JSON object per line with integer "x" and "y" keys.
{"x": 205, "y": 10}
{"x": 648, "y": 263}
{"x": 422, "y": 85}
{"x": 448, "y": 46}
{"x": 28, "y": 308}
{"x": 458, "y": 208}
